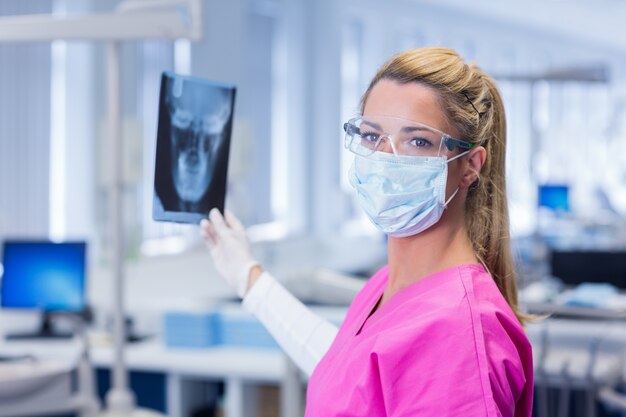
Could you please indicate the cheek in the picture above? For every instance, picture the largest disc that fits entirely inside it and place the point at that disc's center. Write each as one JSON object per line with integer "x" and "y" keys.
{"x": 455, "y": 168}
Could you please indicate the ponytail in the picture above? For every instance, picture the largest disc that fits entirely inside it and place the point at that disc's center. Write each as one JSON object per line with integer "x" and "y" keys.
{"x": 486, "y": 205}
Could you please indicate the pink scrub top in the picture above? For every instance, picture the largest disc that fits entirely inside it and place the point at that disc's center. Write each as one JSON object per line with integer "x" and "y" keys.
{"x": 447, "y": 345}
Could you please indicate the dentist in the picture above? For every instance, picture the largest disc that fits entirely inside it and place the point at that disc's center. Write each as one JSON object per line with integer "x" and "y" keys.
{"x": 437, "y": 331}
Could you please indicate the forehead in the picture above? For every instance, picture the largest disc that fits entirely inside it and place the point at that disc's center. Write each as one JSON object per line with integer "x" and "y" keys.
{"x": 410, "y": 101}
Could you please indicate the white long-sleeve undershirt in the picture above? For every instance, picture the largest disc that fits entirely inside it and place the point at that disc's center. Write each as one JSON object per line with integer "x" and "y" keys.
{"x": 302, "y": 334}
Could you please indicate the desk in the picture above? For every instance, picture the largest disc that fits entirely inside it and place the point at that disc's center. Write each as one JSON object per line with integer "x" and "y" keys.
{"x": 187, "y": 369}
{"x": 564, "y": 311}
{"x": 43, "y": 387}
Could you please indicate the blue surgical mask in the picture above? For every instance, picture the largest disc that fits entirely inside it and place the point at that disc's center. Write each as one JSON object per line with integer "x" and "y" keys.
{"x": 402, "y": 195}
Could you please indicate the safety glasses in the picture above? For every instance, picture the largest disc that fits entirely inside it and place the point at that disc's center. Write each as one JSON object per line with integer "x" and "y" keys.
{"x": 366, "y": 135}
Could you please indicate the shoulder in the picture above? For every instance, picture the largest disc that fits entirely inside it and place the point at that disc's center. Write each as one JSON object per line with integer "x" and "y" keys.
{"x": 494, "y": 321}
{"x": 461, "y": 329}
{"x": 502, "y": 346}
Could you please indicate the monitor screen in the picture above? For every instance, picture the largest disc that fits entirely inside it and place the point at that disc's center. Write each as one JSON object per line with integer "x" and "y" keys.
{"x": 554, "y": 197}
{"x": 575, "y": 267}
{"x": 43, "y": 275}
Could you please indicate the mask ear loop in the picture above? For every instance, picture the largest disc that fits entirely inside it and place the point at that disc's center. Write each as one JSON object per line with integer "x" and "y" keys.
{"x": 459, "y": 155}
{"x": 445, "y": 204}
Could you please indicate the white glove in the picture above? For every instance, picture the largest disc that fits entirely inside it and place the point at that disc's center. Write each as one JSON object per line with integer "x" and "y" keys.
{"x": 229, "y": 248}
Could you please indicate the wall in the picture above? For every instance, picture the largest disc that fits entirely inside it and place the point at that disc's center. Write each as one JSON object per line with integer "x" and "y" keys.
{"x": 291, "y": 137}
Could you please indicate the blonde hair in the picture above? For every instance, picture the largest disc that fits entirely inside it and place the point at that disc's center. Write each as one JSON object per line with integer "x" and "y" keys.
{"x": 474, "y": 107}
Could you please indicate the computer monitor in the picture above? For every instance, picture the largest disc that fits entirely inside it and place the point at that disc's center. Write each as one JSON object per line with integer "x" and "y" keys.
{"x": 574, "y": 267}
{"x": 554, "y": 197}
{"x": 44, "y": 276}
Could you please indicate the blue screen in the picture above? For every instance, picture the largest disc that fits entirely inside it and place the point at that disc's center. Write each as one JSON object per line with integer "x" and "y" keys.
{"x": 43, "y": 275}
{"x": 555, "y": 197}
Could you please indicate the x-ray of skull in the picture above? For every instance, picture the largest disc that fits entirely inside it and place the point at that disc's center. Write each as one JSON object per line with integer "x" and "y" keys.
{"x": 193, "y": 141}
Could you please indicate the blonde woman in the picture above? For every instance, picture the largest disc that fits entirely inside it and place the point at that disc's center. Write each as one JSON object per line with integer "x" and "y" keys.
{"x": 436, "y": 332}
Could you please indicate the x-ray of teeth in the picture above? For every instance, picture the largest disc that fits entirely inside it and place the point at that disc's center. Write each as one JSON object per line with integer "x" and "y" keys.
{"x": 193, "y": 140}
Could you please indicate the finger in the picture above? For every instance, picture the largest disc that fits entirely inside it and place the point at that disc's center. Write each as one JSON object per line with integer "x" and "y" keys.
{"x": 217, "y": 221}
{"x": 208, "y": 233}
{"x": 210, "y": 241}
{"x": 233, "y": 221}
{"x": 205, "y": 226}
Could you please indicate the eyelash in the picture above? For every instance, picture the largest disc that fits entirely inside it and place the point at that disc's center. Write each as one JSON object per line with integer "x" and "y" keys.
{"x": 426, "y": 142}
{"x": 365, "y": 135}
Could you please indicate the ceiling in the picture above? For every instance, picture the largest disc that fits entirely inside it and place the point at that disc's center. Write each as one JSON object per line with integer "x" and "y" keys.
{"x": 600, "y": 22}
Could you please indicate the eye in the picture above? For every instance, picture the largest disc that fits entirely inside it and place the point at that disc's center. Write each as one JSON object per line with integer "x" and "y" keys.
{"x": 370, "y": 137}
{"x": 420, "y": 142}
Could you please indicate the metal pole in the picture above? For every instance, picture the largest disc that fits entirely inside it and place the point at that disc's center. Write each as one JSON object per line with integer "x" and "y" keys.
{"x": 119, "y": 398}
{"x": 291, "y": 391}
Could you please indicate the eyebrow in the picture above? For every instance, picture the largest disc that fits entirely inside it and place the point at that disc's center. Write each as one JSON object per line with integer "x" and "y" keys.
{"x": 372, "y": 124}
{"x": 408, "y": 129}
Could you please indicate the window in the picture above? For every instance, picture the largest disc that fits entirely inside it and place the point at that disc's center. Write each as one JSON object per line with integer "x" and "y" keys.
{"x": 258, "y": 180}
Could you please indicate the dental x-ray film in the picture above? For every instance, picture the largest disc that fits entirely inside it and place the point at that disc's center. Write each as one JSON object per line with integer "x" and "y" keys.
{"x": 193, "y": 142}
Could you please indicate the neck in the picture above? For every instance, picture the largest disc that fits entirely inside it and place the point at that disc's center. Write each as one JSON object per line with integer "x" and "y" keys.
{"x": 445, "y": 244}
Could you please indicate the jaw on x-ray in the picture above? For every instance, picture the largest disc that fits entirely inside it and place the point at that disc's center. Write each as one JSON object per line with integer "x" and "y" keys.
{"x": 195, "y": 119}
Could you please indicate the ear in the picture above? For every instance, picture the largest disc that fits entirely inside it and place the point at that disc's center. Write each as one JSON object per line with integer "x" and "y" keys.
{"x": 475, "y": 161}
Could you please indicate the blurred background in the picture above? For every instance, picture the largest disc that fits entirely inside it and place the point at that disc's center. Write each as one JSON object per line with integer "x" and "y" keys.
{"x": 300, "y": 67}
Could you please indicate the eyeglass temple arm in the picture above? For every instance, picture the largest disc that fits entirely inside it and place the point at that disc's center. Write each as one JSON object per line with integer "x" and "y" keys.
{"x": 452, "y": 143}
{"x": 351, "y": 128}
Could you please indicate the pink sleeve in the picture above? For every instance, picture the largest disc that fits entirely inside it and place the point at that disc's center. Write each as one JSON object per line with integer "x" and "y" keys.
{"x": 510, "y": 364}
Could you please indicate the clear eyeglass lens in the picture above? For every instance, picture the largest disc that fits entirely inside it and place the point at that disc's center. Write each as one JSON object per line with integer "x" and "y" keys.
{"x": 365, "y": 137}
